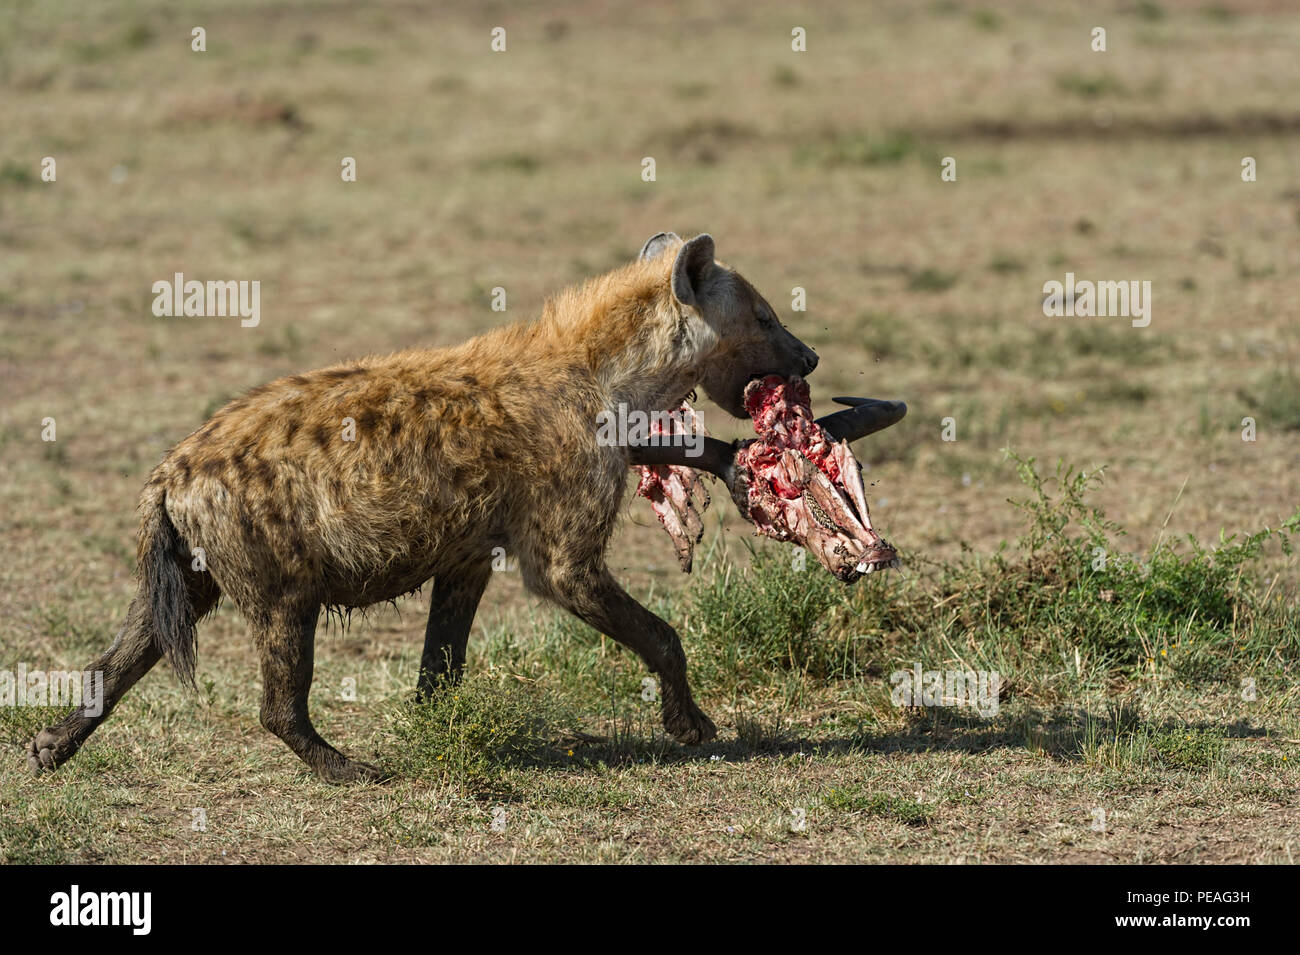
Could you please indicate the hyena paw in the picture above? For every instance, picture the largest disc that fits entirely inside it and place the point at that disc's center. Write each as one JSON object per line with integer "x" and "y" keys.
{"x": 48, "y": 750}
{"x": 691, "y": 726}
{"x": 350, "y": 771}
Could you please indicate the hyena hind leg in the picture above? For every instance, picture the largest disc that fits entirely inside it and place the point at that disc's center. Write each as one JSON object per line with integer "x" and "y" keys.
{"x": 285, "y": 640}
{"x": 451, "y": 615}
{"x": 132, "y": 655}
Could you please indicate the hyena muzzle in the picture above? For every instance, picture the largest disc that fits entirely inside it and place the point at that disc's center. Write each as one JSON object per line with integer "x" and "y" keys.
{"x": 361, "y": 482}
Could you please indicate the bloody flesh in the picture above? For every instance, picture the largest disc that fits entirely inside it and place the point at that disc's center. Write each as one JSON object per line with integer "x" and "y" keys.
{"x": 793, "y": 482}
{"x": 677, "y": 494}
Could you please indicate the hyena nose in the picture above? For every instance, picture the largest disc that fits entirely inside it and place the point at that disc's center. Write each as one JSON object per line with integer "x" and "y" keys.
{"x": 809, "y": 362}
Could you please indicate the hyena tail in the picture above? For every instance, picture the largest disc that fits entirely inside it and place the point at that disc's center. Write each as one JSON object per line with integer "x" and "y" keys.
{"x": 164, "y": 586}
{"x": 160, "y": 623}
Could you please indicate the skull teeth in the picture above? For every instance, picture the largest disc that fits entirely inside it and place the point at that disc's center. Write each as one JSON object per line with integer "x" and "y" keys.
{"x": 869, "y": 567}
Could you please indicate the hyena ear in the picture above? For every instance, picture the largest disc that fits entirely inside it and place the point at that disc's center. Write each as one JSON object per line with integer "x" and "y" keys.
{"x": 657, "y": 244}
{"x": 693, "y": 265}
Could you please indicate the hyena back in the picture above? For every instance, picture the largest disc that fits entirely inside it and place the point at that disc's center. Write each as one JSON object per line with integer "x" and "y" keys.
{"x": 358, "y": 483}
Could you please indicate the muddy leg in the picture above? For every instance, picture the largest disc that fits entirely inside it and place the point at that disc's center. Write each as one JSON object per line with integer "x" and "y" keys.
{"x": 130, "y": 657}
{"x": 451, "y": 614}
{"x": 286, "y": 639}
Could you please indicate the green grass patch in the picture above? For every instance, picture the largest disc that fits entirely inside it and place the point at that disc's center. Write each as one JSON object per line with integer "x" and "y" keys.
{"x": 855, "y": 799}
{"x": 474, "y": 732}
{"x": 1090, "y": 85}
{"x": 931, "y": 280}
{"x": 1274, "y": 401}
{"x": 857, "y": 149}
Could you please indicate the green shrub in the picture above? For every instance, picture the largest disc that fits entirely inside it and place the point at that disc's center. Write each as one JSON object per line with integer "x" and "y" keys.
{"x": 475, "y": 731}
{"x": 771, "y": 614}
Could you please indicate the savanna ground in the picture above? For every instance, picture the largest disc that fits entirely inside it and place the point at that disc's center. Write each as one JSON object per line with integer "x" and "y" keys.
{"x": 1125, "y": 689}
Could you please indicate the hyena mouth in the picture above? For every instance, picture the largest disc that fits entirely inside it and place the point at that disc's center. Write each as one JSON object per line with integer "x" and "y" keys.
{"x": 797, "y": 481}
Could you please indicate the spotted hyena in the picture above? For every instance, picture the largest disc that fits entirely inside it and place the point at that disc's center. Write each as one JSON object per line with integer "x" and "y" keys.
{"x": 364, "y": 481}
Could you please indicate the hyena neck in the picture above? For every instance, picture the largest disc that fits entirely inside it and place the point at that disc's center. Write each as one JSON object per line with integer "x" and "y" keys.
{"x": 631, "y": 335}
{"x": 649, "y": 368}
{"x": 651, "y": 395}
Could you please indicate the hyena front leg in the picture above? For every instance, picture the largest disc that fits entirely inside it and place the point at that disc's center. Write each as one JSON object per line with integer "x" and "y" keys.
{"x": 597, "y": 599}
{"x": 451, "y": 615}
{"x": 285, "y": 639}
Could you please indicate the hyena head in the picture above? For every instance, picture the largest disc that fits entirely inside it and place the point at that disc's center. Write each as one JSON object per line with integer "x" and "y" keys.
{"x": 741, "y": 338}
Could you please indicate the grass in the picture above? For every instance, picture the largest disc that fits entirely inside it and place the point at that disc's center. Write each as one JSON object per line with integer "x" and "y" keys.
{"x": 1090, "y": 86}
{"x": 473, "y": 732}
{"x": 1099, "y": 661}
{"x": 1274, "y": 401}
{"x": 853, "y": 799}
{"x": 932, "y": 280}
{"x": 767, "y": 617}
{"x": 858, "y": 149}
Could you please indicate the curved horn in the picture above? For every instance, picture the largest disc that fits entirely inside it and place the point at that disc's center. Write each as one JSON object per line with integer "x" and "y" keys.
{"x": 864, "y": 416}
{"x": 717, "y": 457}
